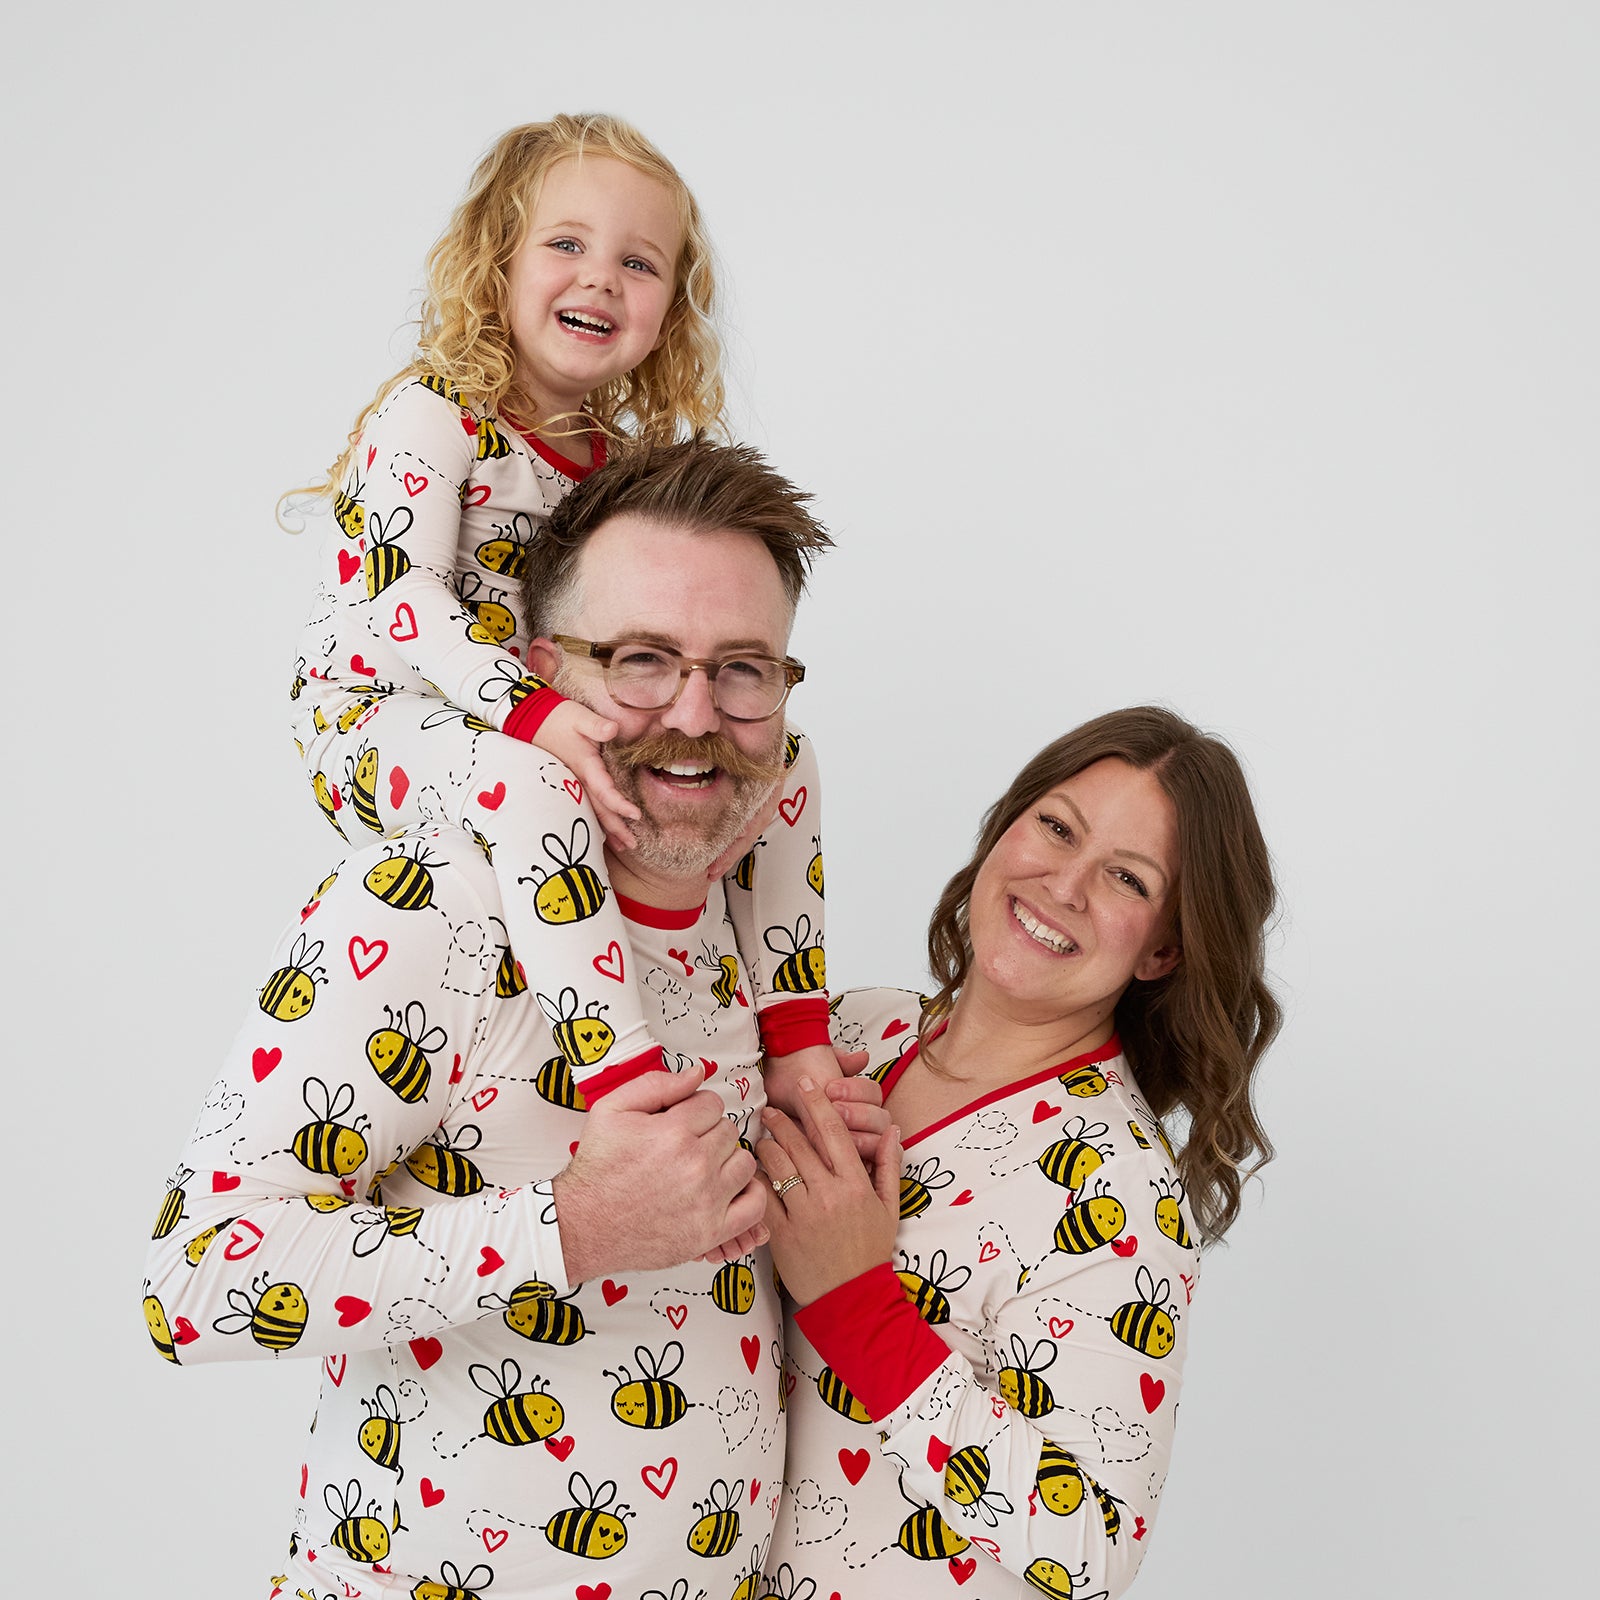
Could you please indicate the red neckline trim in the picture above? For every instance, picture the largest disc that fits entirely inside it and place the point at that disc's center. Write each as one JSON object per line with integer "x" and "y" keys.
{"x": 564, "y": 464}
{"x": 1106, "y": 1052}
{"x": 656, "y": 916}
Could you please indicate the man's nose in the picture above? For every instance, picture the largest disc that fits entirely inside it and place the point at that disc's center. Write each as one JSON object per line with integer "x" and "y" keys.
{"x": 694, "y": 712}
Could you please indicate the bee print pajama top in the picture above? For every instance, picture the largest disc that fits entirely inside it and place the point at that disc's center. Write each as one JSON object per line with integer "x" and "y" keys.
{"x": 412, "y": 705}
{"x": 368, "y": 1185}
{"x": 991, "y": 1416}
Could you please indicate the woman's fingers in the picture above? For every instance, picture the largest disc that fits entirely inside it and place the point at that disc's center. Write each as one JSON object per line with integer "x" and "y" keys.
{"x": 826, "y": 1129}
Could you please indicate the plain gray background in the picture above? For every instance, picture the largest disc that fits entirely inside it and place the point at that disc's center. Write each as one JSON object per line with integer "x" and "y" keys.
{"x": 1240, "y": 356}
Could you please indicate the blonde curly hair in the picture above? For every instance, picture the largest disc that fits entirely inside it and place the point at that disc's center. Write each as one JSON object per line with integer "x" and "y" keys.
{"x": 464, "y": 329}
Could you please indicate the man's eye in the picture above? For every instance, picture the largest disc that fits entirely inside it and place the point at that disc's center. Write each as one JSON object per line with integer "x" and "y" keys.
{"x": 639, "y": 660}
{"x": 738, "y": 667}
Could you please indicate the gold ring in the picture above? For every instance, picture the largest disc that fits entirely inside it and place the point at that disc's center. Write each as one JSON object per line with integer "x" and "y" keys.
{"x": 781, "y": 1189}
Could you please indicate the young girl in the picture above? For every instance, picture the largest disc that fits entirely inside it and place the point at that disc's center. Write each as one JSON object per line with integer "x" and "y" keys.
{"x": 568, "y": 301}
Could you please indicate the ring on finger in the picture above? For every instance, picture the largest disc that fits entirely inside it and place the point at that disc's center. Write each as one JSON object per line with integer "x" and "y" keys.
{"x": 782, "y": 1188}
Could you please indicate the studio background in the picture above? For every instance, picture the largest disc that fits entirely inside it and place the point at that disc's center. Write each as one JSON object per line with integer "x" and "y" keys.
{"x": 1242, "y": 357}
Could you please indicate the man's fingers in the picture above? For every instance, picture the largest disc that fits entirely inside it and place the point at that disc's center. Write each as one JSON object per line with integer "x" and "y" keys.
{"x": 749, "y": 1207}
{"x": 653, "y": 1091}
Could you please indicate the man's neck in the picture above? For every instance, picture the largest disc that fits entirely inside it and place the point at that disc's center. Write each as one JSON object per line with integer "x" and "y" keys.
{"x": 635, "y": 881}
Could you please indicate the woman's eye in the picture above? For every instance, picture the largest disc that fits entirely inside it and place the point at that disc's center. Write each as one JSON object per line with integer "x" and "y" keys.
{"x": 1128, "y": 880}
{"x": 1055, "y": 825}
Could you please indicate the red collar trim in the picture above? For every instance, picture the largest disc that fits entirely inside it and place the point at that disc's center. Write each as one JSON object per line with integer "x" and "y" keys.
{"x": 657, "y": 916}
{"x": 1111, "y": 1049}
{"x": 563, "y": 464}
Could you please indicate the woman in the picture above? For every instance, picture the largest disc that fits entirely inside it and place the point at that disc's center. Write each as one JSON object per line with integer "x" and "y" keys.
{"x": 992, "y": 1323}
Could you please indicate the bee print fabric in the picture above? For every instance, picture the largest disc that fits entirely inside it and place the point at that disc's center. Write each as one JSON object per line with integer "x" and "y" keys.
{"x": 413, "y": 705}
{"x": 1025, "y": 1353}
{"x": 367, "y": 1185}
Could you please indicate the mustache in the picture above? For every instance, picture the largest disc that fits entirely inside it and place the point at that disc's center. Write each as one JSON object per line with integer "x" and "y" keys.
{"x": 665, "y": 748}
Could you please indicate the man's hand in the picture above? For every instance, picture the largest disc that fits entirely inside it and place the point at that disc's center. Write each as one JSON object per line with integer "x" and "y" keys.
{"x": 572, "y": 733}
{"x": 658, "y": 1179}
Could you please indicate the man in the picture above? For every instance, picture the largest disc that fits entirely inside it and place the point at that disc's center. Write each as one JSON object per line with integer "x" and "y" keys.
{"x": 529, "y": 1380}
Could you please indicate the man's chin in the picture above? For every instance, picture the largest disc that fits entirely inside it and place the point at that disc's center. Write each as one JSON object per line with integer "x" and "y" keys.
{"x": 677, "y": 849}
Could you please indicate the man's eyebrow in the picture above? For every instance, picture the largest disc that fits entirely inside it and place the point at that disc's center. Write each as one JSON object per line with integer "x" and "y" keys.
{"x": 728, "y": 647}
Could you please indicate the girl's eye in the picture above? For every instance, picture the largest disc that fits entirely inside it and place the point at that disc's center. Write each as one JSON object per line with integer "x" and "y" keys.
{"x": 569, "y": 246}
{"x": 639, "y": 264}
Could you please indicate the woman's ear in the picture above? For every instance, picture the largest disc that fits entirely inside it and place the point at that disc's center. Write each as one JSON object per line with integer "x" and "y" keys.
{"x": 1158, "y": 963}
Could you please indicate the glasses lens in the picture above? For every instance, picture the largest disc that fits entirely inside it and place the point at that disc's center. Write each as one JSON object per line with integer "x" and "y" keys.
{"x": 642, "y": 676}
{"x": 646, "y": 677}
{"x": 749, "y": 687}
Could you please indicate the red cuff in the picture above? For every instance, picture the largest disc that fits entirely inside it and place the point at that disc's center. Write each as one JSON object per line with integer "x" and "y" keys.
{"x": 870, "y": 1334}
{"x": 794, "y": 1025}
{"x": 527, "y": 718}
{"x": 622, "y": 1072}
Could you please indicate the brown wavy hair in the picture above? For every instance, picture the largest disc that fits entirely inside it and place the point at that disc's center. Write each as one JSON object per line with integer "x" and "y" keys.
{"x": 1196, "y": 1036}
{"x": 464, "y": 328}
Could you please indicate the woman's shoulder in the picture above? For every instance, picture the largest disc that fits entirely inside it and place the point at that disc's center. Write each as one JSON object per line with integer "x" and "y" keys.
{"x": 880, "y": 1021}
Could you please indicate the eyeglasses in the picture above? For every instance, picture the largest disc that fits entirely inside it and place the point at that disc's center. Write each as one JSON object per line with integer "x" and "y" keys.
{"x": 650, "y": 677}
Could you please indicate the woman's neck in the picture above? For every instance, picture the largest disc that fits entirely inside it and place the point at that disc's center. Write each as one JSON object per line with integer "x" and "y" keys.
{"x": 988, "y": 1044}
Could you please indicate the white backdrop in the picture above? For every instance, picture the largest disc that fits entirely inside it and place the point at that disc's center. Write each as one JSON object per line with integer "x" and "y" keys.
{"x": 1240, "y": 356}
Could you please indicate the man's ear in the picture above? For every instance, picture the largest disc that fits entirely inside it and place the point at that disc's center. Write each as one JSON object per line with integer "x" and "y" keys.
{"x": 544, "y": 659}
{"x": 1158, "y": 963}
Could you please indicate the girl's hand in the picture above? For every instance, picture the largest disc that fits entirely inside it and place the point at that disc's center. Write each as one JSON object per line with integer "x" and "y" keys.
{"x": 838, "y": 1221}
{"x": 572, "y": 733}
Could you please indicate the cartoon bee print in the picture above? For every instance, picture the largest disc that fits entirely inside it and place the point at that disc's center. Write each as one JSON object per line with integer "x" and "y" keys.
{"x": 744, "y": 872}
{"x": 398, "y": 1052}
{"x": 1149, "y": 1323}
{"x": 291, "y": 991}
{"x": 587, "y": 1527}
{"x": 387, "y": 1222}
{"x": 401, "y": 880}
{"x": 1091, "y": 1223}
{"x": 749, "y": 1586}
{"x": 159, "y": 1329}
{"x": 452, "y": 1586}
{"x": 931, "y": 1294}
{"x": 298, "y": 682}
{"x": 727, "y": 969}
{"x": 491, "y": 621}
{"x": 379, "y": 1435}
{"x": 733, "y": 1288}
{"x": 347, "y": 509}
{"x": 1084, "y": 1083}
{"x": 326, "y": 802}
{"x": 442, "y": 1164}
{"x": 536, "y": 1312}
{"x": 507, "y": 684}
{"x": 363, "y": 1538}
{"x": 1169, "y": 1216}
{"x": 651, "y": 1400}
{"x": 554, "y": 1082}
{"x": 275, "y": 1318}
{"x": 442, "y": 387}
{"x": 357, "y": 709}
{"x": 574, "y": 891}
{"x": 814, "y": 870}
{"x": 791, "y": 749}
{"x": 508, "y": 979}
{"x": 804, "y": 968}
{"x": 926, "y": 1536}
{"x": 385, "y": 561}
{"x": 492, "y": 444}
{"x": 325, "y": 1144}
{"x": 449, "y": 713}
{"x": 1110, "y": 1509}
{"x": 195, "y": 1250}
{"x": 1052, "y": 1579}
{"x": 507, "y": 554}
{"x": 361, "y": 779}
{"x": 584, "y": 1039}
{"x": 966, "y": 1482}
{"x": 918, "y": 1183}
{"x": 1060, "y": 1480}
{"x": 516, "y": 1419}
{"x": 1021, "y": 1387}
{"x": 1072, "y": 1159}
{"x": 838, "y": 1397}
{"x": 717, "y": 1530}
{"x": 171, "y": 1212}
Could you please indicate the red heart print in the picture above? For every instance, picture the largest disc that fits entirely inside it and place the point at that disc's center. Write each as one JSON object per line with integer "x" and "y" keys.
{"x": 493, "y": 1538}
{"x": 997, "y": 1405}
{"x": 365, "y": 958}
{"x": 361, "y": 669}
{"x": 738, "y": 994}
{"x": 961, "y": 1569}
{"x": 709, "y": 1065}
{"x": 598, "y": 1591}
{"x": 492, "y": 799}
{"x": 183, "y": 1331}
{"x": 415, "y": 483}
{"x": 485, "y": 1097}
{"x": 305, "y": 1474}
{"x": 791, "y": 807}
{"x": 492, "y": 1261}
{"x": 477, "y": 495}
{"x": 611, "y": 965}
{"x": 572, "y": 1149}
{"x": 1060, "y": 1327}
{"x": 560, "y": 1448}
{"x": 962, "y": 1199}
{"x": 404, "y": 627}
{"x": 1125, "y": 1247}
{"x": 222, "y": 1182}
{"x": 853, "y": 1464}
{"x": 897, "y": 1026}
{"x": 455, "y": 1071}
{"x": 682, "y": 958}
{"x": 574, "y": 788}
{"x": 1151, "y": 1390}
{"x": 1044, "y": 1111}
{"x": 430, "y": 1496}
{"x": 986, "y": 1544}
{"x": 243, "y": 1241}
{"x": 938, "y": 1453}
{"x": 659, "y": 1480}
{"x": 347, "y": 1186}
{"x": 755, "y": 1489}
{"x": 613, "y": 1291}
{"x": 427, "y": 1352}
{"x": 468, "y": 422}
{"x": 263, "y": 1061}
{"x": 676, "y": 1315}
{"x": 399, "y": 784}
{"x": 349, "y": 566}
{"x": 743, "y": 1086}
{"x": 988, "y": 1250}
{"x": 750, "y": 1348}
{"x": 305, "y": 911}
{"x": 351, "y": 1310}
{"x": 788, "y": 1383}
{"x": 372, "y": 452}
{"x": 1138, "y": 1527}
{"x": 334, "y": 1367}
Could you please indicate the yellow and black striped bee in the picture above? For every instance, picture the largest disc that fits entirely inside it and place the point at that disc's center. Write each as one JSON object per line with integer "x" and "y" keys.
{"x": 749, "y": 1585}
{"x": 1148, "y": 1324}
{"x": 160, "y": 1330}
{"x": 327, "y": 1145}
{"x": 347, "y": 509}
{"x": 387, "y": 1222}
{"x": 733, "y": 1288}
{"x": 357, "y": 709}
{"x": 361, "y": 779}
{"x": 574, "y": 890}
{"x": 326, "y": 1204}
{"x": 508, "y": 684}
{"x": 1109, "y": 1509}
{"x": 379, "y": 1435}
{"x": 514, "y": 1418}
{"x": 588, "y": 1528}
{"x": 319, "y": 720}
{"x": 1021, "y": 1387}
{"x": 508, "y": 979}
{"x": 171, "y": 1212}
{"x": 1138, "y": 1135}
{"x": 398, "y": 1053}
{"x": 535, "y": 1312}
{"x": 554, "y": 1082}
{"x": 196, "y": 1248}
{"x": 441, "y": 1165}
{"x": 966, "y": 1482}
{"x": 717, "y": 1531}
{"x": 449, "y": 713}
{"x": 727, "y": 969}
{"x": 918, "y": 1182}
{"x": 804, "y": 968}
{"x": 276, "y": 1318}
{"x": 385, "y": 561}
{"x": 814, "y": 870}
{"x": 291, "y": 991}
{"x": 403, "y": 881}
{"x": 452, "y": 1586}
{"x": 506, "y": 556}
{"x": 837, "y": 1397}
{"x": 363, "y": 1538}
{"x": 926, "y": 1536}
{"x": 931, "y": 1294}
{"x": 491, "y": 621}
{"x": 1085, "y": 1082}
{"x": 324, "y": 793}
{"x": 382, "y": 1176}
{"x": 443, "y": 388}
{"x": 651, "y": 1400}
{"x": 492, "y": 444}
{"x": 744, "y": 873}
{"x": 584, "y": 1039}
{"x": 298, "y": 682}
{"x": 1060, "y": 1480}
{"x": 1050, "y": 1577}
{"x": 1090, "y": 1223}
{"x": 791, "y": 749}
{"x": 1169, "y": 1214}
{"x": 1071, "y": 1160}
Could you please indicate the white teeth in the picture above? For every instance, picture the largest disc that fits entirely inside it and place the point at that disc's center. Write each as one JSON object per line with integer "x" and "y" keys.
{"x": 679, "y": 770}
{"x": 576, "y": 319}
{"x": 1039, "y": 933}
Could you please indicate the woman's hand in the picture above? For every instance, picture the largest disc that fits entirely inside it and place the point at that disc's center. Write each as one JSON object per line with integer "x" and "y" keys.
{"x": 838, "y": 1220}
